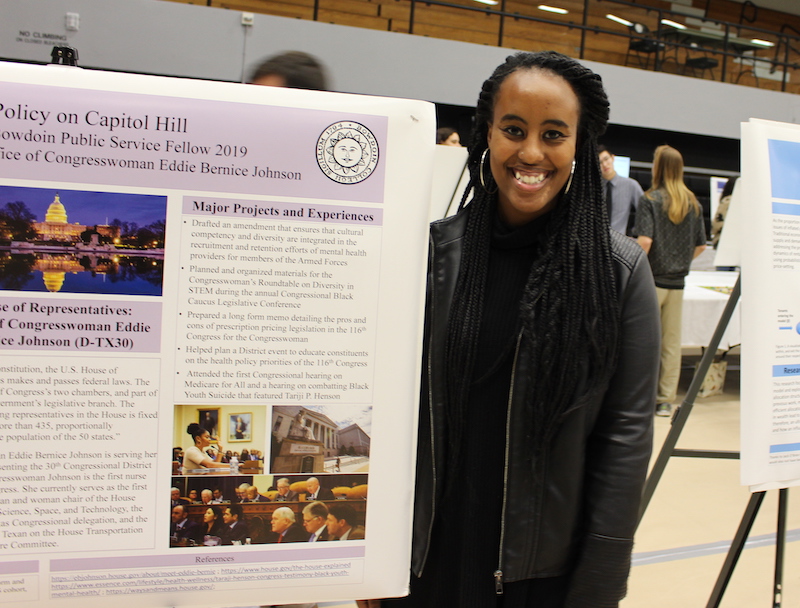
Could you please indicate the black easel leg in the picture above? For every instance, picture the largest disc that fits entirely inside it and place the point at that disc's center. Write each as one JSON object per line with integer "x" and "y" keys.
{"x": 682, "y": 414}
{"x": 780, "y": 546}
{"x": 736, "y": 549}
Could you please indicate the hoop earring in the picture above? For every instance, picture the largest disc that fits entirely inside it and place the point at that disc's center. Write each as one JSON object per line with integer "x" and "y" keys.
{"x": 481, "y": 171}
{"x": 571, "y": 174}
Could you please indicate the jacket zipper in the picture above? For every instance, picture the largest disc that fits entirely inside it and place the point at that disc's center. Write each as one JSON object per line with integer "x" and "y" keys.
{"x": 433, "y": 438}
{"x": 498, "y": 574}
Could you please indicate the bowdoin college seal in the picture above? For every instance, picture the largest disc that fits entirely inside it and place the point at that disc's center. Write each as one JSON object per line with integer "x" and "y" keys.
{"x": 347, "y": 152}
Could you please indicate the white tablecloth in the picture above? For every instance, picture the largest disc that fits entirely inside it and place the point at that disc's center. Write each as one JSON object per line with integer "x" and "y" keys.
{"x": 704, "y": 299}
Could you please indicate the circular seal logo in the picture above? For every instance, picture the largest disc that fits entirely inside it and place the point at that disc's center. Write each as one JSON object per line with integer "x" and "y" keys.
{"x": 347, "y": 152}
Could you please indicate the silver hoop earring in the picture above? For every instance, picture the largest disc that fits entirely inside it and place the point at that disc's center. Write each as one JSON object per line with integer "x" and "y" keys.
{"x": 571, "y": 174}
{"x": 481, "y": 170}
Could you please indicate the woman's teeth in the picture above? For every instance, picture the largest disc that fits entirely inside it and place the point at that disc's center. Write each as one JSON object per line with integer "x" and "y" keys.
{"x": 530, "y": 179}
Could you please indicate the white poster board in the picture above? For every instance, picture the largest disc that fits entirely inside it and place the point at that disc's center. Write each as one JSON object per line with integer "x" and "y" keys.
{"x": 770, "y": 417}
{"x": 450, "y": 171}
{"x": 246, "y": 258}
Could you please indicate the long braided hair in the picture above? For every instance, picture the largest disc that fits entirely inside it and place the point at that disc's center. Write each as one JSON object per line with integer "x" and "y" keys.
{"x": 569, "y": 312}
{"x": 668, "y": 176}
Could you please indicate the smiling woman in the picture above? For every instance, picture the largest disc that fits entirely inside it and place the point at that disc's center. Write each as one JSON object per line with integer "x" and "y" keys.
{"x": 532, "y": 141}
{"x": 541, "y": 354}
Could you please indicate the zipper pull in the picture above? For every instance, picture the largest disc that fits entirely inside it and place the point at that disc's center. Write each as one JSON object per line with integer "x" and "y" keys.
{"x": 498, "y": 582}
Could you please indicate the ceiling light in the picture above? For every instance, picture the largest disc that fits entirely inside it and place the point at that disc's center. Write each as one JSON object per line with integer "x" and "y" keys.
{"x": 492, "y": 2}
{"x": 620, "y": 20}
{"x": 762, "y": 42}
{"x": 677, "y": 26}
{"x": 552, "y": 9}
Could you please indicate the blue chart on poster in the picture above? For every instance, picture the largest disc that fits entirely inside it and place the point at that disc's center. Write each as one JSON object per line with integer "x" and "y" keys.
{"x": 784, "y": 159}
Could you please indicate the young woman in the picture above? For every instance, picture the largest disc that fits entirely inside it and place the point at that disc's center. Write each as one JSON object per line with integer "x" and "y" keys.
{"x": 447, "y": 136}
{"x": 196, "y": 457}
{"x": 540, "y": 362}
{"x": 212, "y": 523}
{"x": 671, "y": 231}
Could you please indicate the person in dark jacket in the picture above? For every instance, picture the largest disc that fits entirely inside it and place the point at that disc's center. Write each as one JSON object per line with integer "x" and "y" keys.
{"x": 235, "y": 528}
{"x": 285, "y": 493}
{"x": 284, "y": 525}
{"x": 540, "y": 362}
{"x": 182, "y": 528}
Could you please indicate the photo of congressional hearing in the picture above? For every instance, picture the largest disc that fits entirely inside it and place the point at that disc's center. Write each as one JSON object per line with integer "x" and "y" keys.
{"x": 203, "y": 448}
{"x": 74, "y": 241}
{"x": 320, "y": 439}
{"x": 263, "y": 509}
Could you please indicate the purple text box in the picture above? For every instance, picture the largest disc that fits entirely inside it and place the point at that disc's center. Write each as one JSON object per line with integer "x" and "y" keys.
{"x": 80, "y": 325}
{"x": 339, "y": 214}
{"x": 224, "y": 558}
{"x": 26, "y": 567}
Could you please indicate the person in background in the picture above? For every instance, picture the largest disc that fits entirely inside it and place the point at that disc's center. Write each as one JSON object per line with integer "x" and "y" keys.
{"x": 182, "y": 528}
{"x": 212, "y": 522}
{"x": 622, "y": 194}
{"x": 175, "y": 495}
{"x": 285, "y": 493}
{"x": 206, "y": 497}
{"x": 284, "y": 525}
{"x": 540, "y": 362}
{"x": 241, "y": 492}
{"x": 671, "y": 231}
{"x": 315, "y": 492}
{"x": 342, "y": 523}
{"x": 252, "y": 495}
{"x": 292, "y": 69}
{"x": 235, "y": 528}
{"x": 315, "y": 516}
{"x": 445, "y": 136}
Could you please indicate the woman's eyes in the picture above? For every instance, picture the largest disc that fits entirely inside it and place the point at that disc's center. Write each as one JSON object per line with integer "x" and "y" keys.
{"x": 550, "y": 135}
{"x": 513, "y": 131}
{"x": 553, "y": 134}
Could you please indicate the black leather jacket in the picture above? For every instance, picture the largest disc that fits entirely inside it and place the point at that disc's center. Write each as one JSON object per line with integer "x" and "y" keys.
{"x": 578, "y": 515}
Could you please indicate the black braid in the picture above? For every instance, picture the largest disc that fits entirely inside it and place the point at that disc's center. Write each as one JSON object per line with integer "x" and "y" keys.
{"x": 569, "y": 311}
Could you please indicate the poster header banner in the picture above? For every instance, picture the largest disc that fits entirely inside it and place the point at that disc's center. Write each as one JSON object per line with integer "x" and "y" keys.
{"x": 174, "y": 142}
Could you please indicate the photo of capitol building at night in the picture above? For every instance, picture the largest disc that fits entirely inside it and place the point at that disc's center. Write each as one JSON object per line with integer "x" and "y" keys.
{"x": 55, "y": 226}
{"x": 41, "y": 250}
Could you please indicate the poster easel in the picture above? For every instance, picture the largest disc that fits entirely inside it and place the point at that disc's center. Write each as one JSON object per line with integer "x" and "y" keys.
{"x": 668, "y": 450}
